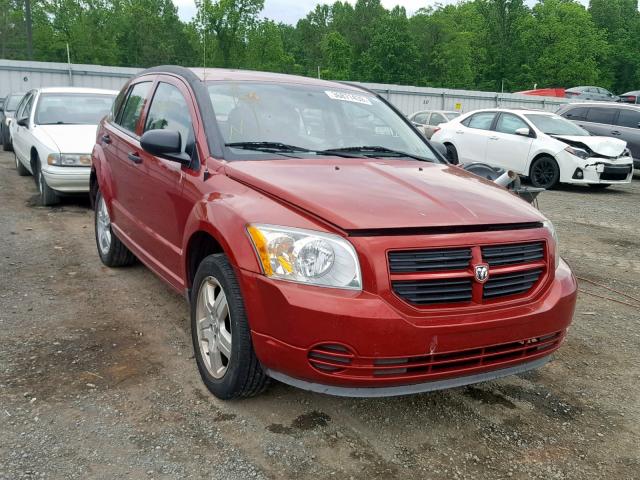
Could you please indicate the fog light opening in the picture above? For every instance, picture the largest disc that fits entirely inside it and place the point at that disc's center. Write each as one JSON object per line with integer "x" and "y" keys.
{"x": 578, "y": 174}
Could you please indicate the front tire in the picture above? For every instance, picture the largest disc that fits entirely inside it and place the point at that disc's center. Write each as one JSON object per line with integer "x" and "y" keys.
{"x": 544, "y": 173}
{"x": 48, "y": 196}
{"x": 112, "y": 251}
{"x": 6, "y": 143}
{"x": 220, "y": 332}
{"x": 21, "y": 169}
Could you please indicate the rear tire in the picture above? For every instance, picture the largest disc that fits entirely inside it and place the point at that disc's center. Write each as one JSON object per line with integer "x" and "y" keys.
{"x": 112, "y": 251}
{"x": 48, "y": 196}
{"x": 6, "y": 143}
{"x": 21, "y": 169}
{"x": 220, "y": 332}
{"x": 452, "y": 154}
{"x": 544, "y": 173}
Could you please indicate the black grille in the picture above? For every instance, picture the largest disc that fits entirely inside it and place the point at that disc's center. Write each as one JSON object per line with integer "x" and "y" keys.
{"x": 511, "y": 283}
{"x": 429, "y": 260}
{"x": 513, "y": 254}
{"x": 427, "y": 292}
{"x": 615, "y": 173}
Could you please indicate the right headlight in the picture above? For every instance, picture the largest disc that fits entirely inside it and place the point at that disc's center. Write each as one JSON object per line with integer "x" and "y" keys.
{"x": 549, "y": 226}
{"x": 578, "y": 152}
{"x": 306, "y": 256}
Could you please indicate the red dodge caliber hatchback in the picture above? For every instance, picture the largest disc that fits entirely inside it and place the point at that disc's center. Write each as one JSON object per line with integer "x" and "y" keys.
{"x": 320, "y": 239}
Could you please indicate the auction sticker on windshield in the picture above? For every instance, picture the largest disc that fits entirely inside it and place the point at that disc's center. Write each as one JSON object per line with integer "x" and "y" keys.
{"x": 348, "y": 97}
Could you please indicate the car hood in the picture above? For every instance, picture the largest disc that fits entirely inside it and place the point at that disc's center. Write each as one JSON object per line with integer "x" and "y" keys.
{"x": 356, "y": 194}
{"x": 71, "y": 138}
{"x": 606, "y": 146}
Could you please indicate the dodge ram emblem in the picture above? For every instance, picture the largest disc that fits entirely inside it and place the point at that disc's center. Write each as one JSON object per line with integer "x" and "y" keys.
{"x": 482, "y": 273}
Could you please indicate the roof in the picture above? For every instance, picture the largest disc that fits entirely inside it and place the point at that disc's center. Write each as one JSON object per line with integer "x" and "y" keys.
{"x": 603, "y": 104}
{"x": 98, "y": 91}
{"x": 226, "y": 74}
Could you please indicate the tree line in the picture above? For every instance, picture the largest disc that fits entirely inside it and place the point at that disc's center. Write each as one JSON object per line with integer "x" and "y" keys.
{"x": 475, "y": 44}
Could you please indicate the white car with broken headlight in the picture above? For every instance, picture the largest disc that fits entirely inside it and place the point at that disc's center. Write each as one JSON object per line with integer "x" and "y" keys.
{"x": 540, "y": 145}
{"x": 53, "y": 134}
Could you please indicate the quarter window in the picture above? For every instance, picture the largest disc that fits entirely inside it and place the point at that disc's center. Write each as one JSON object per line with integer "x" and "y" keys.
{"x": 629, "y": 118}
{"x": 601, "y": 115}
{"x": 482, "y": 121}
{"x": 24, "y": 107}
{"x": 169, "y": 111}
{"x": 510, "y": 123}
{"x": 130, "y": 114}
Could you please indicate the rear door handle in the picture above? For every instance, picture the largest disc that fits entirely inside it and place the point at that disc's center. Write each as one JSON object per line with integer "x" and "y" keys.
{"x": 493, "y": 138}
{"x": 459, "y": 132}
{"x": 615, "y": 132}
{"x": 106, "y": 138}
{"x": 134, "y": 157}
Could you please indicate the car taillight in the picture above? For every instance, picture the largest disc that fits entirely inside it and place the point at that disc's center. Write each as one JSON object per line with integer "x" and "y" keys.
{"x": 630, "y": 99}
{"x": 436, "y": 129}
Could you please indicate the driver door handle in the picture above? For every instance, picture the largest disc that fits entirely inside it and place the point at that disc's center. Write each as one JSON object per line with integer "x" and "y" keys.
{"x": 106, "y": 138}
{"x": 134, "y": 157}
{"x": 493, "y": 138}
{"x": 460, "y": 132}
{"x": 615, "y": 132}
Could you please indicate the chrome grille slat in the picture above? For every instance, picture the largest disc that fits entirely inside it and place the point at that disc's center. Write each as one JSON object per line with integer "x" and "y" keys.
{"x": 513, "y": 254}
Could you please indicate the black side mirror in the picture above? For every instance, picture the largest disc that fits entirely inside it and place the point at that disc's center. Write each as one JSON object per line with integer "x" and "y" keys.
{"x": 165, "y": 144}
{"x": 440, "y": 148}
{"x": 24, "y": 122}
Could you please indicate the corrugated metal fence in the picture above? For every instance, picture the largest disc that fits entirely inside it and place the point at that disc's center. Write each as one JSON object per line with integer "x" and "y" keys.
{"x": 20, "y": 76}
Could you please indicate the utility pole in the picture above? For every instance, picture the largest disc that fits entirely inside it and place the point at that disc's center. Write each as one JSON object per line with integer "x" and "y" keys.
{"x": 27, "y": 17}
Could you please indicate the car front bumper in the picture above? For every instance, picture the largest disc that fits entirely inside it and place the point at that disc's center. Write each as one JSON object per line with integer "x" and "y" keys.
{"x": 294, "y": 328}
{"x": 595, "y": 170}
{"x": 67, "y": 179}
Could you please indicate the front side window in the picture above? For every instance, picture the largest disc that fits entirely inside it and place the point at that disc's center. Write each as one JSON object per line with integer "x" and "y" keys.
{"x": 629, "y": 118}
{"x": 169, "y": 111}
{"x": 24, "y": 107}
{"x": 508, "y": 123}
{"x": 421, "y": 118}
{"x": 579, "y": 113}
{"x": 555, "y": 125}
{"x": 311, "y": 118}
{"x": 130, "y": 114}
{"x": 481, "y": 121}
{"x": 72, "y": 108}
{"x": 601, "y": 115}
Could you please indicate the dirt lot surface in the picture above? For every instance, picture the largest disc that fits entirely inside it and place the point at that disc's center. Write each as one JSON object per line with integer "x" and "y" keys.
{"x": 97, "y": 377}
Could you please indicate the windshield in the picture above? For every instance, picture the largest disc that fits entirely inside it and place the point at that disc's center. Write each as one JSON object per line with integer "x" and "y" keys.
{"x": 72, "y": 108}
{"x": 555, "y": 125}
{"x": 13, "y": 101}
{"x": 314, "y": 119}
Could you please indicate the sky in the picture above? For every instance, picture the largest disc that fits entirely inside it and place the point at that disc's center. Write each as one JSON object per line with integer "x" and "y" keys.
{"x": 290, "y": 11}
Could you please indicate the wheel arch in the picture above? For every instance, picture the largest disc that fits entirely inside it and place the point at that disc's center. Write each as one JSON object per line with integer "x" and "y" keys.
{"x": 540, "y": 155}
{"x": 200, "y": 245}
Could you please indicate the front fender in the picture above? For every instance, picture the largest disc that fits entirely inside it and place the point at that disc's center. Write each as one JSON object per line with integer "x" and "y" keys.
{"x": 102, "y": 171}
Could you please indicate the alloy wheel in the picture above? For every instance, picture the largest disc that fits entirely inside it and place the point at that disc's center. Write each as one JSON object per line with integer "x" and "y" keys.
{"x": 214, "y": 327}
{"x": 103, "y": 226}
{"x": 544, "y": 173}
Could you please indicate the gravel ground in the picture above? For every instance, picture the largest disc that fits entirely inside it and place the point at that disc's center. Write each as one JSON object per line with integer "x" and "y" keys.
{"x": 97, "y": 378}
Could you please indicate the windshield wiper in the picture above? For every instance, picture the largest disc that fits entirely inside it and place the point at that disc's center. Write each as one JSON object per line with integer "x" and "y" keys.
{"x": 267, "y": 147}
{"x": 373, "y": 151}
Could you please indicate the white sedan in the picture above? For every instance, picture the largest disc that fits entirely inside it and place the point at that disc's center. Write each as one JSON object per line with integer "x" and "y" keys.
{"x": 53, "y": 134}
{"x": 540, "y": 145}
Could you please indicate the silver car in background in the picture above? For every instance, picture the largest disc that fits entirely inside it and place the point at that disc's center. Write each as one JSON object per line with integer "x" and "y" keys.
{"x": 590, "y": 93}
{"x": 427, "y": 121}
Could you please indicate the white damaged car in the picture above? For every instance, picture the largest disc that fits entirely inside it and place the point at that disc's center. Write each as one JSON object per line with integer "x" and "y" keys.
{"x": 540, "y": 145}
{"x": 53, "y": 134}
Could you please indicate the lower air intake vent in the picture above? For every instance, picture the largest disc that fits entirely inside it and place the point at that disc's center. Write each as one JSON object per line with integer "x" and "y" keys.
{"x": 330, "y": 357}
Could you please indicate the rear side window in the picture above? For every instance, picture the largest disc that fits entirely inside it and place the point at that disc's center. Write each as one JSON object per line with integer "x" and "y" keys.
{"x": 629, "y": 118}
{"x": 169, "y": 111}
{"x": 601, "y": 115}
{"x": 437, "y": 119}
{"x": 578, "y": 113}
{"x": 130, "y": 114}
{"x": 421, "y": 118}
{"x": 481, "y": 121}
{"x": 508, "y": 123}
